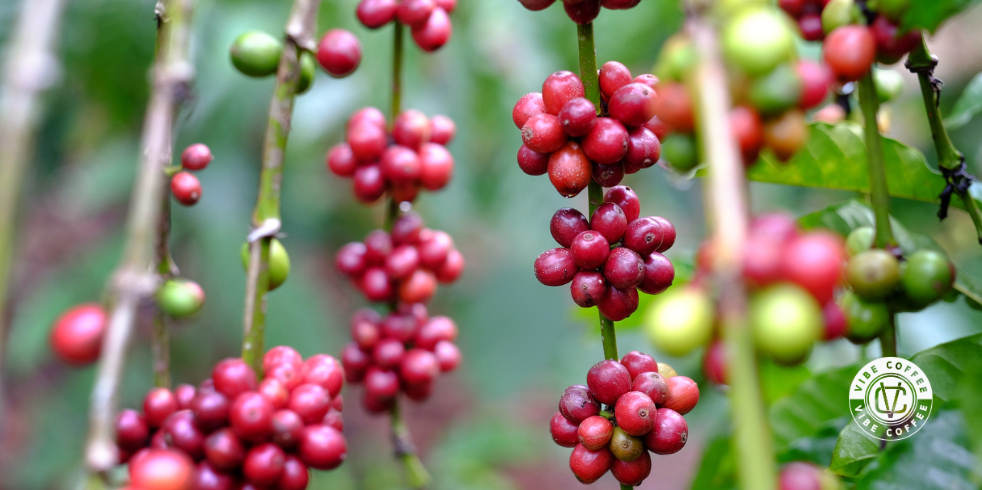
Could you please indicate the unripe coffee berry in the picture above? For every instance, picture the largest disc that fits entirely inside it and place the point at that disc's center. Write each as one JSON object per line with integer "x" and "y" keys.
{"x": 624, "y": 446}
{"x": 256, "y": 54}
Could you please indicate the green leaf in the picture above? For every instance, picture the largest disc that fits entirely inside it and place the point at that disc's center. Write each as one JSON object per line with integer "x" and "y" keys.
{"x": 969, "y": 104}
{"x": 815, "y": 403}
{"x": 929, "y": 14}
{"x": 779, "y": 381}
{"x": 853, "y": 451}
{"x": 718, "y": 467}
{"x": 945, "y": 365}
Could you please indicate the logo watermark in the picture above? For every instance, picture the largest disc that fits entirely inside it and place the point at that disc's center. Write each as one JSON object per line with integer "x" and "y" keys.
{"x": 891, "y": 398}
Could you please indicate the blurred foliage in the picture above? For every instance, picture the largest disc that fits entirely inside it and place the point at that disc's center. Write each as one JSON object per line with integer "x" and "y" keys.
{"x": 486, "y": 426}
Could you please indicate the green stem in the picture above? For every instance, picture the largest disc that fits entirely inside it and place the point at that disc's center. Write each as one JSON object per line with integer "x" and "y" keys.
{"x": 397, "y": 70}
{"x": 416, "y": 474}
{"x": 300, "y": 29}
{"x": 888, "y": 339}
{"x": 879, "y": 194}
{"x": 922, "y": 62}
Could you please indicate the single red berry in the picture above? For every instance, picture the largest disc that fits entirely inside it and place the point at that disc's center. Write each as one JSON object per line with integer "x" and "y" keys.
{"x": 132, "y": 430}
{"x": 275, "y": 392}
{"x": 325, "y": 371}
{"x": 355, "y": 362}
{"x": 419, "y": 287}
{"x": 670, "y": 432}
{"x": 566, "y": 224}
{"x": 578, "y": 116}
{"x": 815, "y": 81}
{"x": 626, "y": 199}
{"x": 196, "y": 157}
{"x": 207, "y": 477}
{"x": 747, "y": 129}
{"x": 435, "y": 32}
{"x": 295, "y": 474}
{"x": 350, "y": 260}
{"x": 536, "y": 5}
{"x": 814, "y": 262}
{"x": 633, "y": 104}
{"x": 638, "y": 362}
{"x": 311, "y": 402}
{"x": 618, "y": 304}
{"x": 891, "y": 45}
{"x": 388, "y": 353}
{"x": 659, "y": 274}
{"x": 635, "y": 413}
{"x": 647, "y": 79}
{"x": 415, "y": 12}
{"x": 375, "y": 284}
{"x": 608, "y": 175}
{"x": 652, "y": 384}
{"x": 578, "y": 403}
{"x": 613, "y": 75}
{"x": 657, "y": 126}
{"x": 643, "y": 148}
{"x": 675, "y": 107}
{"x": 281, "y": 354}
{"x": 263, "y": 464}
{"x": 555, "y": 267}
{"x": 624, "y": 268}
{"x": 608, "y": 380}
{"x": 811, "y": 27}
{"x": 563, "y": 431}
{"x": 570, "y": 171}
{"x": 159, "y": 404}
{"x": 233, "y": 377}
{"x": 529, "y": 105}
{"x": 369, "y": 183}
{"x": 683, "y": 394}
{"x": 287, "y": 428}
{"x": 609, "y": 219}
{"x": 452, "y": 267}
{"x": 560, "y": 88}
{"x": 161, "y": 469}
{"x": 400, "y": 165}
{"x": 668, "y": 234}
{"x": 589, "y": 249}
{"x": 607, "y": 142}
{"x": 251, "y": 417}
{"x": 849, "y": 51}
{"x": 434, "y": 249}
{"x": 376, "y": 13}
{"x": 448, "y": 356}
{"x": 588, "y": 466}
{"x": 582, "y": 12}
{"x": 411, "y": 129}
{"x": 418, "y": 392}
{"x": 594, "y": 432}
{"x": 186, "y": 188}
{"x": 406, "y": 228}
{"x": 587, "y": 288}
{"x": 444, "y": 129}
{"x": 339, "y": 52}
{"x": 835, "y": 321}
{"x": 436, "y": 329}
{"x": 76, "y": 337}
{"x": 643, "y": 235}
{"x": 632, "y": 472}
{"x": 800, "y": 476}
{"x": 322, "y": 447}
{"x": 543, "y": 133}
{"x": 532, "y": 162}
{"x": 210, "y": 409}
{"x": 367, "y": 140}
{"x": 367, "y": 115}
{"x": 419, "y": 367}
{"x": 403, "y": 260}
{"x": 436, "y": 166}
{"x": 714, "y": 363}
{"x": 181, "y": 432}
{"x": 334, "y": 419}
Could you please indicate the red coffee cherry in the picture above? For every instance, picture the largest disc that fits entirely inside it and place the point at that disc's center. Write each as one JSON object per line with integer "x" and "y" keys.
{"x": 578, "y": 116}
{"x": 643, "y": 148}
{"x": 811, "y": 27}
{"x": 415, "y": 12}
{"x": 76, "y": 337}
{"x": 608, "y": 380}
{"x": 613, "y": 75}
{"x": 635, "y": 413}
{"x": 334, "y": 419}
{"x": 815, "y": 81}
{"x": 419, "y": 367}
{"x": 417, "y": 392}
{"x": 411, "y": 129}
{"x": 608, "y": 175}
{"x": 264, "y": 464}
{"x": 367, "y": 140}
{"x": 295, "y": 474}
{"x": 587, "y": 288}
{"x": 388, "y": 353}
{"x": 800, "y": 476}
{"x": 618, "y": 304}
{"x": 747, "y": 129}
{"x": 555, "y": 267}
{"x": 714, "y": 363}
{"x": 369, "y": 183}
{"x": 436, "y": 166}
{"x": 570, "y": 170}
{"x": 207, "y": 477}
{"x": 322, "y": 447}
{"x": 607, "y": 142}
{"x": 624, "y": 268}
{"x": 196, "y": 157}
{"x": 350, "y": 259}
{"x": 275, "y": 392}
{"x": 588, "y": 466}
{"x": 159, "y": 404}
{"x": 560, "y": 88}
{"x": 578, "y": 403}
{"x": 632, "y": 472}
{"x": 582, "y": 12}
{"x": 594, "y": 432}
{"x": 367, "y": 115}
{"x": 210, "y": 409}
{"x": 563, "y": 431}
{"x": 339, "y": 52}
{"x": 381, "y": 384}
{"x": 355, "y": 361}
{"x": 536, "y": 5}
{"x": 325, "y": 371}
{"x": 436, "y": 329}
{"x": 233, "y": 377}
{"x": 375, "y": 285}
{"x": 543, "y": 133}
{"x": 435, "y": 32}
{"x": 659, "y": 273}
{"x": 633, "y": 104}
{"x": 590, "y": 249}
{"x": 619, "y": 4}
{"x": 311, "y": 402}
{"x": 814, "y": 262}
{"x": 668, "y": 234}
{"x": 376, "y": 13}
{"x": 281, "y": 354}
{"x": 626, "y": 199}
{"x": 675, "y": 107}
{"x": 448, "y": 356}
{"x": 452, "y": 267}
{"x": 891, "y": 45}
{"x": 132, "y": 430}
{"x": 651, "y": 384}
{"x": 644, "y": 236}
{"x": 444, "y": 129}
{"x": 566, "y": 224}
{"x": 529, "y": 105}
{"x": 419, "y": 287}
{"x": 849, "y": 51}
{"x": 531, "y": 162}
{"x": 670, "y": 432}
{"x": 647, "y": 79}
{"x": 834, "y": 321}
{"x": 186, "y": 188}
{"x": 683, "y": 394}
{"x": 251, "y": 417}
{"x": 180, "y": 432}
{"x": 657, "y": 126}
{"x": 609, "y": 219}
{"x": 161, "y": 469}
{"x": 400, "y": 165}
{"x": 638, "y": 362}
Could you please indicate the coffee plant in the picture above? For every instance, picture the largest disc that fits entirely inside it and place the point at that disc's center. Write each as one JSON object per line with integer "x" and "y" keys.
{"x": 759, "y": 313}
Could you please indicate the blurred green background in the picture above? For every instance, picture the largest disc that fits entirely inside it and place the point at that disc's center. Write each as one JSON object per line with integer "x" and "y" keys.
{"x": 486, "y": 426}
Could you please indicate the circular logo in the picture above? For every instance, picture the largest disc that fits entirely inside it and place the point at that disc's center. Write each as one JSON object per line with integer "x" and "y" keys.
{"x": 890, "y": 398}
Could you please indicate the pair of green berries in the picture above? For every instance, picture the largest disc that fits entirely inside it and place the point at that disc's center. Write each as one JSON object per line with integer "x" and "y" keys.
{"x": 257, "y": 54}
{"x": 880, "y": 284}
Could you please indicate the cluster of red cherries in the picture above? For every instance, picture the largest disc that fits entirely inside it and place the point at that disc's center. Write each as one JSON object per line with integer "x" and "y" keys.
{"x": 563, "y": 136}
{"x": 626, "y": 409}
{"x": 582, "y": 11}
{"x": 405, "y": 351}
{"x": 239, "y": 432}
{"x": 428, "y": 19}
{"x": 413, "y": 156}
{"x": 405, "y": 264}
{"x": 607, "y": 259}
{"x": 184, "y": 185}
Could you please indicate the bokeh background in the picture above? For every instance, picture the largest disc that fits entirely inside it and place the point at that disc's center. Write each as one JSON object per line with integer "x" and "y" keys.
{"x": 486, "y": 427}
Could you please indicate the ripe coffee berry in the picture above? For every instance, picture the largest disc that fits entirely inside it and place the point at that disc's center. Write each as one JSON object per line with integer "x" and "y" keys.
{"x": 186, "y": 188}
{"x": 670, "y": 434}
{"x": 594, "y": 432}
{"x": 564, "y": 432}
{"x": 577, "y": 117}
{"x": 587, "y": 288}
{"x": 613, "y": 75}
{"x": 624, "y": 268}
{"x": 543, "y": 133}
{"x": 196, "y": 157}
{"x": 633, "y": 104}
{"x": 683, "y": 394}
{"x": 555, "y": 267}
{"x": 610, "y": 221}
{"x": 632, "y": 472}
{"x": 635, "y": 413}
{"x": 162, "y": 469}
{"x": 76, "y": 336}
{"x": 849, "y": 51}
{"x": 589, "y": 249}
{"x": 607, "y": 141}
{"x": 569, "y": 169}
{"x": 587, "y": 465}
{"x": 560, "y": 88}
{"x": 608, "y": 380}
{"x": 339, "y": 52}
{"x": 653, "y": 385}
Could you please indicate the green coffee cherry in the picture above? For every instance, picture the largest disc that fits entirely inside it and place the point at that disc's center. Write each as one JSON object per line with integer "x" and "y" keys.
{"x": 873, "y": 274}
{"x": 677, "y": 57}
{"x": 256, "y": 53}
{"x": 889, "y": 84}
{"x": 679, "y": 150}
{"x": 893, "y": 10}
{"x": 758, "y": 40}
{"x": 928, "y": 275}
{"x": 864, "y": 319}
{"x": 680, "y": 320}
{"x": 308, "y": 69}
{"x": 179, "y": 298}
{"x": 625, "y": 446}
{"x": 279, "y": 263}
{"x": 776, "y": 91}
{"x": 860, "y": 240}
{"x": 838, "y": 13}
{"x": 786, "y": 322}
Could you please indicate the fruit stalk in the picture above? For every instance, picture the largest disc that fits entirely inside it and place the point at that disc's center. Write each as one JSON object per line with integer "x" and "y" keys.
{"x": 728, "y": 217}
{"x": 134, "y": 279}
{"x": 166, "y": 269}
{"x": 23, "y": 83}
{"x": 396, "y": 72}
{"x": 299, "y": 36}
{"x": 879, "y": 194}
{"x": 922, "y": 62}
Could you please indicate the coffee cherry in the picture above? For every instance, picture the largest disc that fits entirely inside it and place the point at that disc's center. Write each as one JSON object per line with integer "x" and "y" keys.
{"x": 295, "y": 475}
{"x": 608, "y": 380}
{"x": 436, "y": 329}
{"x": 624, "y": 268}
{"x": 815, "y": 80}
{"x": 400, "y": 165}
{"x": 814, "y": 261}
{"x": 251, "y": 417}
{"x": 403, "y": 260}
{"x": 610, "y": 221}
{"x": 186, "y": 188}
{"x": 369, "y": 184}
{"x": 643, "y": 148}
{"x": 747, "y": 129}
{"x": 683, "y": 394}
{"x": 207, "y": 477}
{"x": 570, "y": 171}
{"x": 635, "y": 413}
{"x": 624, "y": 446}
{"x": 158, "y": 404}
{"x": 411, "y": 129}
{"x": 626, "y": 199}
{"x": 838, "y": 13}
{"x": 644, "y": 236}
{"x": 587, "y": 288}
{"x": 560, "y": 88}
{"x": 233, "y": 377}
{"x": 210, "y": 409}
{"x": 588, "y": 466}
{"x": 180, "y": 432}
{"x": 531, "y": 162}
{"x": 415, "y": 12}
{"x": 651, "y": 384}
{"x": 659, "y": 273}
{"x": 849, "y": 52}
{"x": 577, "y": 403}
{"x": 873, "y": 274}
{"x": 864, "y": 319}
{"x": 657, "y": 126}
{"x": 638, "y": 362}
{"x": 607, "y": 141}
{"x": 590, "y": 249}
{"x": 529, "y": 105}
{"x": 132, "y": 430}
{"x": 419, "y": 367}
{"x": 256, "y": 54}
{"x": 786, "y": 134}
{"x": 308, "y": 71}
{"x": 311, "y": 402}
{"x": 555, "y": 267}
{"x": 535, "y": 5}
{"x": 417, "y": 392}
{"x": 613, "y": 75}
{"x": 375, "y": 285}
{"x": 891, "y": 45}
{"x": 196, "y": 157}
{"x": 161, "y": 469}
{"x": 322, "y": 447}
{"x": 264, "y": 464}
{"x": 776, "y": 91}
{"x": 633, "y": 104}
{"x": 275, "y": 392}
{"x": 608, "y": 175}
{"x": 595, "y": 432}
{"x": 566, "y": 224}
{"x": 341, "y": 160}
{"x": 679, "y": 150}
{"x": 674, "y": 108}
{"x": 758, "y": 41}
{"x": 435, "y": 32}
{"x": 786, "y": 322}
{"x": 715, "y": 363}
{"x": 448, "y": 356}
{"x": 339, "y": 52}
{"x": 279, "y": 262}
{"x": 802, "y": 476}
{"x": 927, "y": 276}
{"x": 543, "y": 133}
{"x": 76, "y": 337}
{"x": 632, "y": 472}
{"x": 367, "y": 140}
{"x": 578, "y": 116}
{"x": 618, "y": 304}
{"x": 564, "y": 432}
{"x": 670, "y": 432}
{"x": 680, "y": 321}
{"x": 434, "y": 249}
{"x": 325, "y": 371}
{"x": 834, "y": 321}
{"x": 582, "y": 12}
{"x": 224, "y": 450}
{"x": 179, "y": 298}
{"x": 376, "y": 13}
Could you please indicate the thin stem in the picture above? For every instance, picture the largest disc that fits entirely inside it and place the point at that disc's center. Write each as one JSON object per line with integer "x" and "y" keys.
{"x": 23, "y": 82}
{"x": 728, "y": 216}
{"x": 134, "y": 279}
{"x": 416, "y": 474}
{"x": 879, "y": 194}
{"x": 300, "y": 30}
{"x": 888, "y": 339}
{"x": 397, "y": 69}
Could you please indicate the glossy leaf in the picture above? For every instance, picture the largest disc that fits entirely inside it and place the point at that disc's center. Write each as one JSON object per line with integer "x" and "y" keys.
{"x": 812, "y": 405}
{"x": 969, "y": 104}
{"x": 853, "y": 451}
{"x": 718, "y": 467}
{"x": 929, "y": 14}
